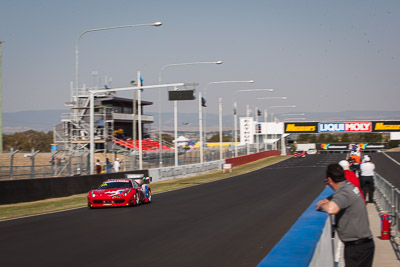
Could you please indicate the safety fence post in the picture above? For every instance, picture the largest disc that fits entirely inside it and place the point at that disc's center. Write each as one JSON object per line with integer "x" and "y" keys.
{"x": 12, "y": 153}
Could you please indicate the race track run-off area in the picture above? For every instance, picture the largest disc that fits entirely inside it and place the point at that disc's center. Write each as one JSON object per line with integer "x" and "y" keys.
{"x": 231, "y": 222}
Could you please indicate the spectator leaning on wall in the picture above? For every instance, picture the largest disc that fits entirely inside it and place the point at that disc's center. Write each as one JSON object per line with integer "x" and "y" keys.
{"x": 351, "y": 218}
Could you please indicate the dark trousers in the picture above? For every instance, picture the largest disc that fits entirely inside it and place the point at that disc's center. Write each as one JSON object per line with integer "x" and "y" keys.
{"x": 367, "y": 185}
{"x": 361, "y": 255}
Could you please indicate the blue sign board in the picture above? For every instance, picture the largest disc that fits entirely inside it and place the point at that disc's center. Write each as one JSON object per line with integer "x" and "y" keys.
{"x": 331, "y": 127}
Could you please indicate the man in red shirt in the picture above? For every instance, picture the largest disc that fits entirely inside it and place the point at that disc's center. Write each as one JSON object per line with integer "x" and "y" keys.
{"x": 351, "y": 176}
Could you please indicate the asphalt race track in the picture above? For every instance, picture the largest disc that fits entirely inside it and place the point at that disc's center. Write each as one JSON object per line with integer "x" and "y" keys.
{"x": 233, "y": 222}
{"x": 386, "y": 167}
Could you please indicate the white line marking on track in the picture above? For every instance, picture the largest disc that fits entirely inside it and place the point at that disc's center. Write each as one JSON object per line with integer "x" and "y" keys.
{"x": 391, "y": 158}
{"x": 35, "y": 215}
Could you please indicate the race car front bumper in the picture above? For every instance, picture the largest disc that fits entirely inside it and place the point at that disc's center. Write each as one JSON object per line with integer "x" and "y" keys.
{"x": 114, "y": 202}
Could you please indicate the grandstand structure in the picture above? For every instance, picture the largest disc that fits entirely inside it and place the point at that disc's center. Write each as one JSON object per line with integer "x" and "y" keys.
{"x": 116, "y": 125}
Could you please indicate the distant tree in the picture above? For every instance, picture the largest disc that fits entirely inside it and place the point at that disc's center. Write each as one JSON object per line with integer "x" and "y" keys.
{"x": 306, "y": 138}
{"x": 394, "y": 143}
{"x": 28, "y": 140}
{"x": 356, "y": 137}
{"x": 303, "y": 138}
{"x": 322, "y": 138}
{"x": 345, "y": 138}
{"x": 372, "y": 137}
{"x": 167, "y": 138}
{"x": 225, "y": 138}
{"x": 332, "y": 138}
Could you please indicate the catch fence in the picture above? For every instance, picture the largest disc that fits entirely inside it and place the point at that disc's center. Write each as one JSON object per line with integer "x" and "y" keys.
{"x": 387, "y": 198}
{"x": 16, "y": 165}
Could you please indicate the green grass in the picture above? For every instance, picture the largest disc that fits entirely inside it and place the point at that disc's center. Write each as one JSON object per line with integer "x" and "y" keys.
{"x": 76, "y": 201}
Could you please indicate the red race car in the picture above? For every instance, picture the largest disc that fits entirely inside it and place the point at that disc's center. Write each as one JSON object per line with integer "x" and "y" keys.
{"x": 120, "y": 192}
{"x": 299, "y": 154}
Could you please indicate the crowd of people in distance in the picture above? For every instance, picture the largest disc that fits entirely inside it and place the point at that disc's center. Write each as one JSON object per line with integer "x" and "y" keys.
{"x": 364, "y": 170}
{"x": 107, "y": 167}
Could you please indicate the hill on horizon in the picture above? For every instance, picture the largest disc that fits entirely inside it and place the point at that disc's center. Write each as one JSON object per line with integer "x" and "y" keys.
{"x": 44, "y": 120}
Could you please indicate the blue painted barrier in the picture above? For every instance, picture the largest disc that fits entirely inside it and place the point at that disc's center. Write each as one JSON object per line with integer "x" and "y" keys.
{"x": 299, "y": 244}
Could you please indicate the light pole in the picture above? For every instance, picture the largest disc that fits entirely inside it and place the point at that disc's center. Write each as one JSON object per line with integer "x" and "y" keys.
{"x": 205, "y": 117}
{"x": 156, "y": 24}
{"x": 220, "y": 127}
{"x": 235, "y": 111}
{"x": 294, "y": 119}
{"x": 288, "y": 106}
{"x": 1, "y": 106}
{"x": 133, "y": 155}
{"x": 265, "y": 116}
{"x": 267, "y": 98}
{"x": 293, "y": 114}
{"x": 159, "y": 97}
{"x": 283, "y": 141}
{"x": 140, "y": 120}
{"x": 92, "y": 93}
{"x": 273, "y": 97}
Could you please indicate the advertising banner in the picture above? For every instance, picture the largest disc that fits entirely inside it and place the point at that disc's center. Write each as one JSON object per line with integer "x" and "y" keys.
{"x": 247, "y": 130}
{"x": 335, "y": 147}
{"x": 301, "y": 127}
{"x": 349, "y": 147}
{"x": 181, "y": 95}
{"x": 386, "y": 126}
{"x": 341, "y": 127}
{"x": 336, "y": 127}
{"x": 374, "y": 146}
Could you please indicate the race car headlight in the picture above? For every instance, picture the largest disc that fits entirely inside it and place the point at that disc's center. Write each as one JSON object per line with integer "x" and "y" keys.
{"x": 126, "y": 193}
{"x": 93, "y": 194}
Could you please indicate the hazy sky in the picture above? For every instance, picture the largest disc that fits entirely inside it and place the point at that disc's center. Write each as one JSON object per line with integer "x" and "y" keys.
{"x": 323, "y": 55}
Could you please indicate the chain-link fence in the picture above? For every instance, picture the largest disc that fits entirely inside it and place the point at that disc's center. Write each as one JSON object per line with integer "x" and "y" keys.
{"x": 20, "y": 165}
{"x": 387, "y": 198}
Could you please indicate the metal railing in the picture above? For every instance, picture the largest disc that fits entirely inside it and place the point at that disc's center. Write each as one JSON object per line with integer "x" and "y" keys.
{"x": 387, "y": 199}
{"x": 77, "y": 163}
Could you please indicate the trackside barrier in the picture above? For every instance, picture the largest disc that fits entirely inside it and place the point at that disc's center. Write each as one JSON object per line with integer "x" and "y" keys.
{"x": 252, "y": 157}
{"x": 15, "y": 191}
{"x": 307, "y": 243}
{"x": 26, "y": 190}
{"x": 387, "y": 199}
{"x": 163, "y": 174}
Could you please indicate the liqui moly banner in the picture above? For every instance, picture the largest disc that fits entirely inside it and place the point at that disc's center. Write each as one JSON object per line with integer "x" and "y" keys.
{"x": 358, "y": 126}
{"x": 335, "y": 127}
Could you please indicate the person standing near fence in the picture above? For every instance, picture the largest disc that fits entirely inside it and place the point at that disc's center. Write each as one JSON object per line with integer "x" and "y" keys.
{"x": 367, "y": 170}
{"x": 355, "y": 159}
{"x": 108, "y": 166}
{"x": 352, "y": 224}
{"x": 98, "y": 167}
{"x": 116, "y": 165}
{"x": 351, "y": 176}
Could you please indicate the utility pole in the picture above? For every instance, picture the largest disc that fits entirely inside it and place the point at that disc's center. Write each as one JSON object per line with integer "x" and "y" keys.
{"x": 1, "y": 106}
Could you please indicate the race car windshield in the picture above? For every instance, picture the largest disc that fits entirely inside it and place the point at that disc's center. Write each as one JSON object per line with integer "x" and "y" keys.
{"x": 114, "y": 185}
